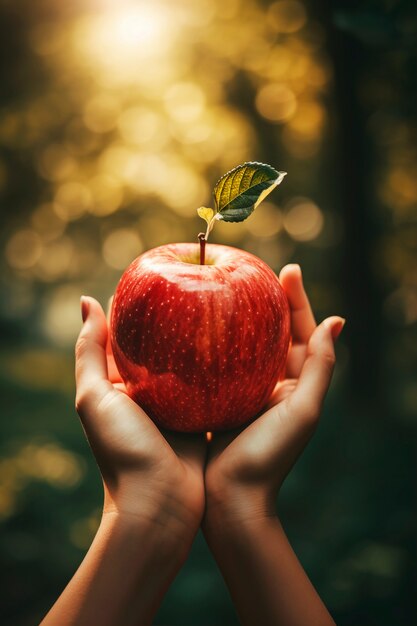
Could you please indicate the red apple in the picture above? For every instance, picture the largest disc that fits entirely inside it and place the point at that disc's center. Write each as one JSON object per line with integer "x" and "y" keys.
{"x": 200, "y": 347}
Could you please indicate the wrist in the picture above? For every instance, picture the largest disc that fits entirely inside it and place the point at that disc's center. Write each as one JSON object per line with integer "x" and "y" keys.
{"x": 237, "y": 506}
{"x": 233, "y": 535}
{"x": 152, "y": 510}
{"x": 124, "y": 575}
{"x": 165, "y": 547}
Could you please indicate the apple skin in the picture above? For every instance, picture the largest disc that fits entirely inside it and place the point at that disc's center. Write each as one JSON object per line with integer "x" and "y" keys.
{"x": 200, "y": 347}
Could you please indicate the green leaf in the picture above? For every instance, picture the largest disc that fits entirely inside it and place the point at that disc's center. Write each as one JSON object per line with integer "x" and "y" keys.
{"x": 206, "y": 214}
{"x": 239, "y": 192}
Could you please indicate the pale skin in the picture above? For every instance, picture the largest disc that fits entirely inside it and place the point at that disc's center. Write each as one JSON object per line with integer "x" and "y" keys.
{"x": 159, "y": 488}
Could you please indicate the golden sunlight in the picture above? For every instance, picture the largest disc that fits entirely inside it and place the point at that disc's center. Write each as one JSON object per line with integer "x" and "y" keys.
{"x": 121, "y": 37}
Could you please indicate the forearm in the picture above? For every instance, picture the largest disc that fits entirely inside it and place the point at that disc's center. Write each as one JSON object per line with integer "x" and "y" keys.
{"x": 123, "y": 577}
{"x": 266, "y": 581}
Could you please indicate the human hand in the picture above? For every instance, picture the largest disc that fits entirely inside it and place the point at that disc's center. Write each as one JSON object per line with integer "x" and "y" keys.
{"x": 245, "y": 470}
{"x": 146, "y": 473}
{"x": 153, "y": 496}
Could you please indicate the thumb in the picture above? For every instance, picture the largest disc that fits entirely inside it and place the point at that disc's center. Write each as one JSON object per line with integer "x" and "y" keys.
{"x": 277, "y": 437}
{"x": 90, "y": 351}
{"x": 306, "y": 401}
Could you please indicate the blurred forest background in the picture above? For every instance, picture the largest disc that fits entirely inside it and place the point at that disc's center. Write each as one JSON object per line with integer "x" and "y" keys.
{"x": 117, "y": 118}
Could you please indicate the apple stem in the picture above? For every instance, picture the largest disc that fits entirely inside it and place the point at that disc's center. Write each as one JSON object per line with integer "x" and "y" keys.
{"x": 202, "y": 239}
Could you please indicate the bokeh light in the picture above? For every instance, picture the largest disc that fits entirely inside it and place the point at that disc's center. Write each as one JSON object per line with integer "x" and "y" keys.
{"x": 303, "y": 219}
{"x": 265, "y": 223}
{"x": 276, "y": 102}
{"x": 72, "y": 200}
{"x": 23, "y": 249}
{"x": 287, "y": 16}
{"x": 120, "y": 247}
{"x": 62, "y": 316}
{"x": 44, "y": 462}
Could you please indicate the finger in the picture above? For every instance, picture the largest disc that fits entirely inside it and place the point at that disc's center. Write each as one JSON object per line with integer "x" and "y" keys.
{"x": 109, "y": 308}
{"x": 114, "y": 376}
{"x": 295, "y": 360}
{"x": 274, "y": 441}
{"x": 306, "y": 401}
{"x": 281, "y": 391}
{"x": 302, "y": 318}
{"x": 113, "y": 372}
{"x": 91, "y": 363}
{"x": 121, "y": 387}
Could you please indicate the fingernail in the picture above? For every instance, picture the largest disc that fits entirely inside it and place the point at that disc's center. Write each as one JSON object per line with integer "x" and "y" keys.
{"x": 296, "y": 267}
{"x": 85, "y": 307}
{"x": 338, "y": 327}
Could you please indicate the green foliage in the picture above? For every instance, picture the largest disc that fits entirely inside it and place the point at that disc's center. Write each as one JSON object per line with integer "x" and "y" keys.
{"x": 239, "y": 192}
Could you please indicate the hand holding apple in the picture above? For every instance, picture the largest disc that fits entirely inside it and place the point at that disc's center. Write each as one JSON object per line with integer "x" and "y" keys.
{"x": 145, "y": 473}
{"x": 153, "y": 496}
{"x": 245, "y": 469}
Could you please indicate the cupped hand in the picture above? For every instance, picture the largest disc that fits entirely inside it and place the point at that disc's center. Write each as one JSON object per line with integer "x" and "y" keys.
{"x": 145, "y": 472}
{"x": 245, "y": 469}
